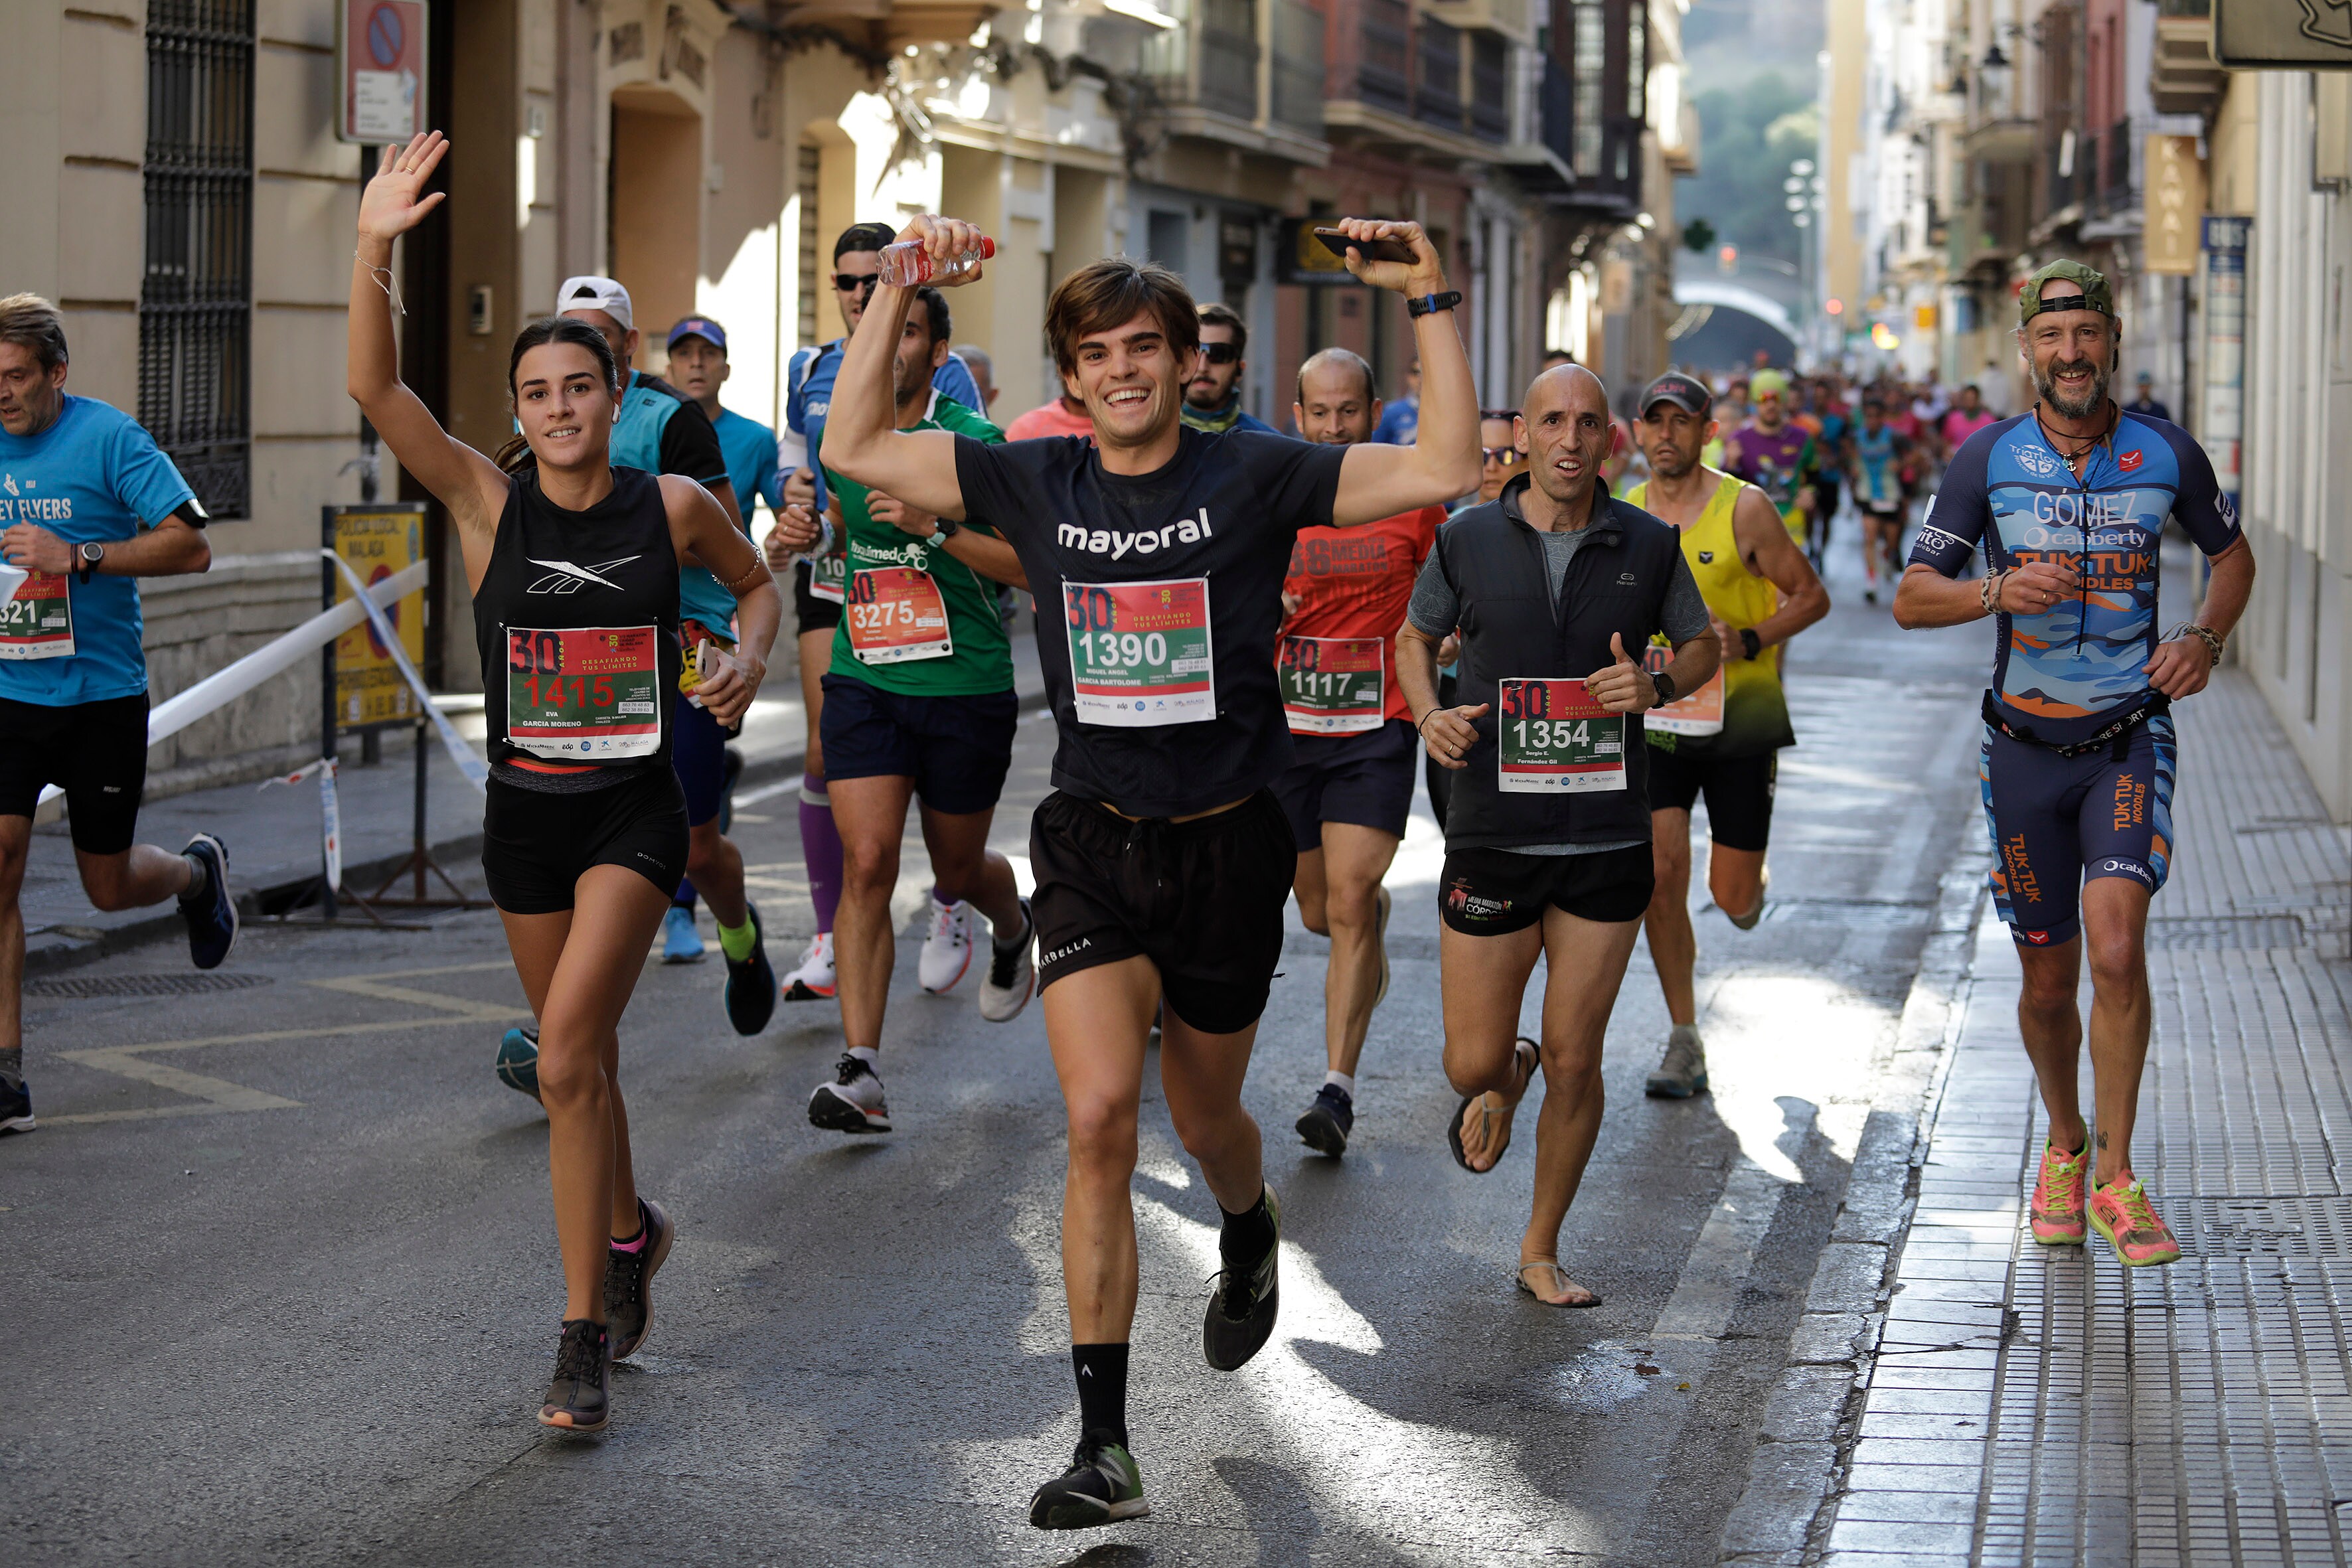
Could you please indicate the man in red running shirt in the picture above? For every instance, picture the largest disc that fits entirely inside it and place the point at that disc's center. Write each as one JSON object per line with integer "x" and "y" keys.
{"x": 1350, "y": 789}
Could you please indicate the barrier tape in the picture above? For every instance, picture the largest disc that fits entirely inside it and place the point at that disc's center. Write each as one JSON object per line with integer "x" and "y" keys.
{"x": 476, "y": 771}
{"x": 330, "y": 814}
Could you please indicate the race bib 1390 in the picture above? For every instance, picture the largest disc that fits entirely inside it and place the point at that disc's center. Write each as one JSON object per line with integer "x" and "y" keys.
{"x": 1553, "y": 738}
{"x": 1140, "y": 652}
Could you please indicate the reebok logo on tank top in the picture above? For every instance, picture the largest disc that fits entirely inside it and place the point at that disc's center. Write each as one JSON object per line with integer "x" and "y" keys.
{"x": 563, "y": 577}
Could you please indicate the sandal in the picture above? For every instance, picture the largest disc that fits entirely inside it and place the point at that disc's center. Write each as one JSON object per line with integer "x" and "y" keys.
{"x": 1560, "y": 1281}
{"x": 1526, "y": 1052}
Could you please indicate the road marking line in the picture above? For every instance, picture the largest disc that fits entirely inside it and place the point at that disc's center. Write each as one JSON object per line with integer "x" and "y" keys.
{"x": 1718, "y": 1268}
{"x": 217, "y": 1094}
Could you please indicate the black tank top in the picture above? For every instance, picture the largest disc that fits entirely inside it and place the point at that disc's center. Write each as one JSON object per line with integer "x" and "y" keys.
{"x": 577, "y": 624}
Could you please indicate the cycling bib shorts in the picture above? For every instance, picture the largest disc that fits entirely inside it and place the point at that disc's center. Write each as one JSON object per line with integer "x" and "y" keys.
{"x": 2060, "y": 822}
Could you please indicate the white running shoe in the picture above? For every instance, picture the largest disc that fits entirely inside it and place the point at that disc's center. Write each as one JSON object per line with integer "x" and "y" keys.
{"x": 947, "y": 952}
{"x": 812, "y": 981}
{"x": 1011, "y": 974}
{"x": 851, "y": 1101}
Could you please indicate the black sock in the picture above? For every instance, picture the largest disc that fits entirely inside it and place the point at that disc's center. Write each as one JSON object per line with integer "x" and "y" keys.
{"x": 1018, "y": 942}
{"x": 1247, "y": 1235}
{"x": 1101, "y": 1372}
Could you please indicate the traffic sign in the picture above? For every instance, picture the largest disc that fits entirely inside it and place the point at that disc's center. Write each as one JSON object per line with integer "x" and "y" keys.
{"x": 380, "y": 71}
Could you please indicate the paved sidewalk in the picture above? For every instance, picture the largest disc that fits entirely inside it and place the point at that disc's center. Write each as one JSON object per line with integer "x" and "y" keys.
{"x": 2030, "y": 1406}
{"x": 272, "y": 831}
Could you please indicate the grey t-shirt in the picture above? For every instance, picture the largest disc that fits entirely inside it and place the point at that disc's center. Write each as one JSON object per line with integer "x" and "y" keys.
{"x": 1436, "y": 610}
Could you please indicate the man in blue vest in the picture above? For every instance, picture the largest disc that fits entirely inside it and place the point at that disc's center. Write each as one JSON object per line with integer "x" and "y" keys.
{"x": 1547, "y": 836}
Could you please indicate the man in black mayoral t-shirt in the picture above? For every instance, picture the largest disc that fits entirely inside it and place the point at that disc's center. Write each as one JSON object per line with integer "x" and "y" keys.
{"x": 1162, "y": 860}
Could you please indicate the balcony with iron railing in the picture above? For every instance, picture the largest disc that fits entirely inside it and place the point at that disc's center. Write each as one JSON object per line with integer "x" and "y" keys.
{"x": 1414, "y": 85}
{"x": 2181, "y": 76}
{"x": 1207, "y": 72}
{"x": 1490, "y": 87}
{"x": 1437, "y": 74}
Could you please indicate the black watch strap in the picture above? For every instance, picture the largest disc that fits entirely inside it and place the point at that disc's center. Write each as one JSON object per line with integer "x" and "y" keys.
{"x": 946, "y": 527}
{"x": 1663, "y": 684}
{"x": 1428, "y": 304}
{"x": 1750, "y": 642}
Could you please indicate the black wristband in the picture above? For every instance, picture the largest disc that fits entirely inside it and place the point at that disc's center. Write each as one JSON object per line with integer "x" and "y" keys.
{"x": 1429, "y": 304}
{"x": 1750, "y": 642}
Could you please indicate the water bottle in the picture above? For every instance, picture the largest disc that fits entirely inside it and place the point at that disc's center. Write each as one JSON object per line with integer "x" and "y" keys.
{"x": 907, "y": 264}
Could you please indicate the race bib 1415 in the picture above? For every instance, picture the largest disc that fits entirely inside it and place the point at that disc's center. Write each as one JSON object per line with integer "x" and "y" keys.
{"x": 584, "y": 694}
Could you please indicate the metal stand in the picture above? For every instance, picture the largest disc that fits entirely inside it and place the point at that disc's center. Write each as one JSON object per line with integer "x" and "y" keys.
{"x": 420, "y": 857}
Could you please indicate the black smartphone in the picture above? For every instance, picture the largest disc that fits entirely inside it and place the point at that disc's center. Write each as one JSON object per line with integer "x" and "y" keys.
{"x": 1336, "y": 242}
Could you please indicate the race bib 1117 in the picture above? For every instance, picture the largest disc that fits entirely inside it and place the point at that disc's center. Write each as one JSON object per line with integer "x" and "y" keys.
{"x": 1333, "y": 686}
{"x": 584, "y": 694}
{"x": 1140, "y": 652}
{"x": 1553, "y": 738}
{"x": 36, "y": 620}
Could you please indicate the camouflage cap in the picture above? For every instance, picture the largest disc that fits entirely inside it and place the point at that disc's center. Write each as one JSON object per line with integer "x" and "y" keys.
{"x": 2095, "y": 294}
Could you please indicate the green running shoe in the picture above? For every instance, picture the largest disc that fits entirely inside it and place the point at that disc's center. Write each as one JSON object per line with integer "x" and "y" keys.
{"x": 1102, "y": 1486}
{"x": 518, "y": 1063}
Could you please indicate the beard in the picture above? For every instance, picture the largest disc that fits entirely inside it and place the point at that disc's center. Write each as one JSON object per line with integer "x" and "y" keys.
{"x": 2045, "y": 382}
{"x": 1663, "y": 468}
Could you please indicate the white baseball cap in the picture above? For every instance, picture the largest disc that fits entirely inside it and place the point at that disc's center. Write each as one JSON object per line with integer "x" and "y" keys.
{"x": 590, "y": 292}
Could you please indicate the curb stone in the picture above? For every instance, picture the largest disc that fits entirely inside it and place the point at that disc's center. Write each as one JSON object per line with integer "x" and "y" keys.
{"x": 1798, "y": 1468}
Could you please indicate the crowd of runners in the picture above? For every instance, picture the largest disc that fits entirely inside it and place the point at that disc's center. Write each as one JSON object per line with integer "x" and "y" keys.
{"x": 1569, "y": 620}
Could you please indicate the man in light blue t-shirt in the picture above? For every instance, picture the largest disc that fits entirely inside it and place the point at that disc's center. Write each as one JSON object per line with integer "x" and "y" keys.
{"x": 88, "y": 503}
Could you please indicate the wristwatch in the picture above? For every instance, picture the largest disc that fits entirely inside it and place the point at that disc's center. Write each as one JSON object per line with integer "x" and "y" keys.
{"x": 1664, "y": 686}
{"x": 1751, "y": 644}
{"x": 1429, "y": 303}
{"x": 943, "y": 529}
{"x": 85, "y": 560}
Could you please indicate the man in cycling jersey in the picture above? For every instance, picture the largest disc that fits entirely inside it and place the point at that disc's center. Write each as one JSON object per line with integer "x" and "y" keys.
{"x": 2069, "y": 501}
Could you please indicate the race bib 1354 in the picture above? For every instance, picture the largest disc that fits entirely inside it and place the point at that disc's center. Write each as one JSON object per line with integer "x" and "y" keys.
{"x": 1553, "y": 738}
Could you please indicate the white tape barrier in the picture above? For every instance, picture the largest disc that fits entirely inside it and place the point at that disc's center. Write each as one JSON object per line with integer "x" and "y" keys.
{"x": 330, "y": 814}
{"x": 224, "y": 686}
{"x": 476, "y": 771}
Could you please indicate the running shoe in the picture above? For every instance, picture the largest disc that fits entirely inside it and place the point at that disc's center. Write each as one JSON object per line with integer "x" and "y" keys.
{"x": 1683, "y": 1072}
{"x": 580, "y": 1397}
{"x": 628, "y": 1277}
{"x": 2121, "y": 1212}
{"x": 518, "y": 1063}
{"x": 15, "y": 1108}
{"x": 812, "y": 981}
{"x": 1329, "y": 1120}
{"x": 681, "y": 944}
{"x": 2056, "y": 1217}
{"x": 1241, "y": 1312}
{"x": 750, "y": 985}
{"x": 1380, "y": 941}
{"x": 1011, "y": 974}
{"x": 852, "y": 1102}
{"x": 1102, "y": 1486}
{"x": 212, "y": 917}
{"x": 731, "y": 774}
{"x": 947, "y": 951}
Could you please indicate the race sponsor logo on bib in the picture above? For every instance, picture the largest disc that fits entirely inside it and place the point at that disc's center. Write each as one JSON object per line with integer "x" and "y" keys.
{"x": 1553, "y": 738}
{"x": 584, "y": 694}
{"x": 36, "y": 620}
{"x": 896, "y": 613}
{"x": 1333, "y": 686}
{"x": 1140, "y": 652}
{"x": 1700, "y": 713}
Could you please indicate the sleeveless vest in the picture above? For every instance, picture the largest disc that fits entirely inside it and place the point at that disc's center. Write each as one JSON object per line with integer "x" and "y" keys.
{"x": 1755, "y": 710}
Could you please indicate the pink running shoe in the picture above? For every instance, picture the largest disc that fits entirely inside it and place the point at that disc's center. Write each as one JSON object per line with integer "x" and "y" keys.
{"x": 2122, "y": 1213}
{"x": 2057, "y": 1212}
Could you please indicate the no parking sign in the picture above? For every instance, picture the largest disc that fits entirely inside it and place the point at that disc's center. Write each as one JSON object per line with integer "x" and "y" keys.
{"x": 380, "y": 70}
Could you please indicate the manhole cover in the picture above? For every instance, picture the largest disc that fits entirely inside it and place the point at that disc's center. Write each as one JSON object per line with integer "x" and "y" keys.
{"x": 2270, "y": 1227}
{"x": 2211, "y": 932}
{"x": 86, "y": 986}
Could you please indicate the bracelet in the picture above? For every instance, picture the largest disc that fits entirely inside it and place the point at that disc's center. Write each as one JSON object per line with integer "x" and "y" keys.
{"x": 383, "y": 280}
{"x": 2214, "y": 641}
{"x": 1990, "y": 594}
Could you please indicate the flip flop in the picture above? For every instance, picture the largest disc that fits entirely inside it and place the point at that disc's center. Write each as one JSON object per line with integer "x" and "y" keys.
{"x": 1522, "y": 1049}
{"x": 1519, "y": 1277}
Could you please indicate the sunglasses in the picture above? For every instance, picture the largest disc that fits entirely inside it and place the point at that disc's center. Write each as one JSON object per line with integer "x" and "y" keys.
{"x": 1219, "y": 353}
{"x": 848, "y": 281}
{"x": 1506, "y": 456}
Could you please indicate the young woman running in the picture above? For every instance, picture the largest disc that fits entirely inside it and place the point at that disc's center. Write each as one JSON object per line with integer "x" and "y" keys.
{"x": 574, "y": 565}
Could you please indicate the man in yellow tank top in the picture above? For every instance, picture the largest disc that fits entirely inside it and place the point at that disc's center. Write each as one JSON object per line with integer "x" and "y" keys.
{"x": 1724, "y": 739}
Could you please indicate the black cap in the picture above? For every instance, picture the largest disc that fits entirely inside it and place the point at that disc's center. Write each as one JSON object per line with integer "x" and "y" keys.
{"x": 1680, "y": 389}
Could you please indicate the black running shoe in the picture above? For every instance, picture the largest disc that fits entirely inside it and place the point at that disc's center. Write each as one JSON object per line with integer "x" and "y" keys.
{"x": 1102, "y": 1486}
{"x": 731, "y": 774}
{"x": 1329, "y": 1120}
{"x": 628, "y": 1279}
{"x": 1241, "y": 1312}
{"x": 750, "y": 985}
{"x": 518, "y": 1063}
{"x": 15, "y": 1108}
{"x": 211, "y": 916}
{"x": 580, "y": 1397}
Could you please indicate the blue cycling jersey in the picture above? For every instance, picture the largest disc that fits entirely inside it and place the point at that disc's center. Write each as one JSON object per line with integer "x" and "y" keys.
{"x": 2006, "y": 488}
{"x": 1875, "y": 452}
{"x": 808, "y": 398}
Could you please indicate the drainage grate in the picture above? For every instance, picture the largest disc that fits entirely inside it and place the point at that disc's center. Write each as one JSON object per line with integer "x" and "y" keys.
{"x": 2189, "y": 932}
{"x": 2270, "y": 1227}
{"x": 88, "y": 985}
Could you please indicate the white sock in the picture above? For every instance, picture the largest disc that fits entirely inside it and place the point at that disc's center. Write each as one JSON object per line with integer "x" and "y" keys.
{"x": 1345, "y": 1082}
{"x": 868, "y": 1055}
{"x": 1686, "y": 1032}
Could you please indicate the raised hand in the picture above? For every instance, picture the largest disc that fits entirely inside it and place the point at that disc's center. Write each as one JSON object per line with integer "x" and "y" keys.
{"x": 1623, "y": 687}
{"x": 1424, "y": 274}
{"x": 393, "y": 202}
{"x": 946, "y": 239}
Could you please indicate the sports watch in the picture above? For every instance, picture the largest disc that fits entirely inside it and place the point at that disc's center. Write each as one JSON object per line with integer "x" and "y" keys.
{"x": 1429, "y": 304}
{"x": 1751, "y": 644}
{"x": 86, "y": 558}
{"x": 1663, "y": 684}
{"x": 944, "y": 529}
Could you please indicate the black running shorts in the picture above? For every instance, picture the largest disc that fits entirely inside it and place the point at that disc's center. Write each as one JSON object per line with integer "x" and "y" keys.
{"x": 1738, "y": 792}
{"x": 1201, "y": 899}
{"x": 536, "y": 846}
{"x": 1363, "y": 779}
{"x": 956, "y": 749}
{"x": 815, "y": 614}
{"x": 95, "y": 752}
{"x": 1494, "y": 892}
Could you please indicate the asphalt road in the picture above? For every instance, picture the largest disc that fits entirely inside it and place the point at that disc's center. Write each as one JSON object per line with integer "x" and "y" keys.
{"x": 282, "y": 1284}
